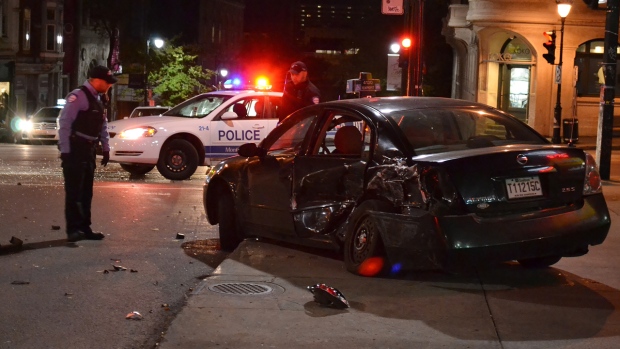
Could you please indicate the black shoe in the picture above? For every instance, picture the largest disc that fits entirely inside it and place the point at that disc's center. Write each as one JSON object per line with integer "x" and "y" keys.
{"x": 93, "y": 236}
{"x": 75, "y": 236}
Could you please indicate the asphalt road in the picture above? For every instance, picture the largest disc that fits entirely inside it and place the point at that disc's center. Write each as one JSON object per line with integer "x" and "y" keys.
{"x": 56, "y": 294}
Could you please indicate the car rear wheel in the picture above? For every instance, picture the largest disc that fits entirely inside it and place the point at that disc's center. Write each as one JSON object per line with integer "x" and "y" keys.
{"x": 137, "y": 170}
{"x": 363, "y": 249}
{"x": 178, "y": 160}
{"x": 230, "y": 232}
{"x": 541, "y": 262}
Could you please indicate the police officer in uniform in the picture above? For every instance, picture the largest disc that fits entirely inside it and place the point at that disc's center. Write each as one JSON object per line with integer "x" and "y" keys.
{"x": 299, "y": 92}
{"x": 83, "y": 125}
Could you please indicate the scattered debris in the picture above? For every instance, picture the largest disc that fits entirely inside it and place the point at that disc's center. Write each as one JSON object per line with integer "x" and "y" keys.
{"x": 106, "y": 271}
{"x": 119, "y": 268}
{"x": 68, "y": 294}
{"x": 16, "y": 241}
{"x": 55, "y": 227}
{"x": 328, "y": 296}
{"x": 155, "y": 229}
{"x": 20, "y": 282}
{"x": 134, "y": 315}
{"x": 133, "y": 271}
{"x": 180, "y": 236}
{"x": 19, "y": 183}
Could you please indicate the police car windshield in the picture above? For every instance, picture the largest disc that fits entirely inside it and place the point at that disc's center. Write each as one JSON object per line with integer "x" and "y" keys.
{"x": 197, "y": 107}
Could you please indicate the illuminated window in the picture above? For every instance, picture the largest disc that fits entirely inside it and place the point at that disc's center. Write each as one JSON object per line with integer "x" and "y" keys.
{"x": 26, "y": 30}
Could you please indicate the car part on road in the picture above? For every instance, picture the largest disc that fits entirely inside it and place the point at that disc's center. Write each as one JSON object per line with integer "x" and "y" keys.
{"x": 136, "y": 169}
{"x": 328, "y": 296}
{"x": 178, "y": 160}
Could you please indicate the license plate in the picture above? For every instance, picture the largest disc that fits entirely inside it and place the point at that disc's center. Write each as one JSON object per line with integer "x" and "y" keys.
{"x": 523, "y": 187}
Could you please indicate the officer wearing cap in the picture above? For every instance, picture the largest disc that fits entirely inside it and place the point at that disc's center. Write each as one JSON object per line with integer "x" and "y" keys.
{"x": 299, "y": 92}
{"x": 83, "y": 125}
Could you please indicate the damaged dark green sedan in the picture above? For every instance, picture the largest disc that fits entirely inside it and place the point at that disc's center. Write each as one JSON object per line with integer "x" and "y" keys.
{"x": 413, "y": 183}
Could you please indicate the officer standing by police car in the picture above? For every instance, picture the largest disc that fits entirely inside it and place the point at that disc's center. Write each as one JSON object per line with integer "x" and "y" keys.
{"x": 299, "y": 92}
{"x": 83, "y": 125}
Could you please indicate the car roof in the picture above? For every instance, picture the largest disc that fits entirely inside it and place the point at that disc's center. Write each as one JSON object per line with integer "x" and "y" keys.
{"x": 391, "y": 104}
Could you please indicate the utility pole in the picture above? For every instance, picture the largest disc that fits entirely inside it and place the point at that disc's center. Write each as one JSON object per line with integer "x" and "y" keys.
{"x": 606, "y": 110}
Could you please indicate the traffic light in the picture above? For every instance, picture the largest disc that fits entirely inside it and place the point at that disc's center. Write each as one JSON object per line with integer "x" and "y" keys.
{"x": 550, "y": 46}
{"x": 403, "y": 57}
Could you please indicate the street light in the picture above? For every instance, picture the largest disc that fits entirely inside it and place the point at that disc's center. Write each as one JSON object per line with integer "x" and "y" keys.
{"x": 564, "y": 7}
{"x": 159, "y": 43}
{"x": 223, "y": 72}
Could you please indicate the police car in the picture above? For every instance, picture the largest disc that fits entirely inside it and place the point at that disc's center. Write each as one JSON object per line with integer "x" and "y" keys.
{"x": 199, "y": 131}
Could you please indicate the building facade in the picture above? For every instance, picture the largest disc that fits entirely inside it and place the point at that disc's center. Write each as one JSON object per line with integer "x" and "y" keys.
{"x": 35, "y": 69}
{"x": 498, "y": 59}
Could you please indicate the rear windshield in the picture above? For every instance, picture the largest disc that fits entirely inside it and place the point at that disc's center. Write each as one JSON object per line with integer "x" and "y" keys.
{"x": 439, "y": 130}
{"x": 197, "y": 107}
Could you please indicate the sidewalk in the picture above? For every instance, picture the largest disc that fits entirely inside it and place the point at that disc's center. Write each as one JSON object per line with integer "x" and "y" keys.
{"x": 257, "y": 298}
{"x": 589, "y": 143}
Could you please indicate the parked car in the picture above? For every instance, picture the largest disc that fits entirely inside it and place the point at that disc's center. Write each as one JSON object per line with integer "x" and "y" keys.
{"x": 40, "y": 126}
{"x": 199, "y": 131}
{"x": 148, "y": 111}
{"x": 411, "y": 183}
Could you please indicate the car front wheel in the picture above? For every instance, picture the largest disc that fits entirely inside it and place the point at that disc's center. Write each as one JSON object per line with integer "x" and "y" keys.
{"x": 541, "y": 262}
{"x": 178, "y": 160}
{"x": 363, "y": 249}
{"x": 137, "y": 170}
{"x": 230, "y": 232}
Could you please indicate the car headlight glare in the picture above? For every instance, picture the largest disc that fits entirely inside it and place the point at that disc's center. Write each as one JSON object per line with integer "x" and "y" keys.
{"x": 135, "y": 133}
{"x": 25, "y": 125}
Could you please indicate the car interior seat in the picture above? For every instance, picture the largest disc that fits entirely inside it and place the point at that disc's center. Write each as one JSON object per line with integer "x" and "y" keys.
{"x": 240, "y": 110}
{"x": 258, "y": 108}
{"x": 348, "y": 140}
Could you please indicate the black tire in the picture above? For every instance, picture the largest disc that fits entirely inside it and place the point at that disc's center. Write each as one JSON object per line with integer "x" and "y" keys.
{"x": 137, "y": 170}
{"x": 363, "y": 239}
{"x": 178, "y": 160}
{"x": 538, "y": 263}
{"x": 230, "y": 232}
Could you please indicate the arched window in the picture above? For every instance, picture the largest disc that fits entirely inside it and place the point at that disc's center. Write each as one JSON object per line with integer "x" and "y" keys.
{"x": 588, "y": 59}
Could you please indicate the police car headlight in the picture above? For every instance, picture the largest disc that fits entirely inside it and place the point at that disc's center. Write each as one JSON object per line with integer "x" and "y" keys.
{"x": 135, "y": 133}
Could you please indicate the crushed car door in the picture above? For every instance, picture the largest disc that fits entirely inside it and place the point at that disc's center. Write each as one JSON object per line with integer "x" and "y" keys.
{"x": 269, "y": 177}
{"x": 329, "y": 178}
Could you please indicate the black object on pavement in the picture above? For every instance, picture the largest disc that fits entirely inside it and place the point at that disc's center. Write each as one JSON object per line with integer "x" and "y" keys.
{"x": 328, "y": 296}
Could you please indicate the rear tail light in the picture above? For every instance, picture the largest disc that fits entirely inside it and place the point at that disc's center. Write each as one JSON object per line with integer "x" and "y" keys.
{"x": 592, "y": 182}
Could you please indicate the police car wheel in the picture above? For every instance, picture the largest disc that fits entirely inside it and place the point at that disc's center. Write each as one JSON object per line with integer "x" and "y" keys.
{"x": 137, "y": 170}
{"x": 178, "y": 160}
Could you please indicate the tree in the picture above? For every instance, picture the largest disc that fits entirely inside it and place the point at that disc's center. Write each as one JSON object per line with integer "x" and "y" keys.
{"x": 176, "y": 76}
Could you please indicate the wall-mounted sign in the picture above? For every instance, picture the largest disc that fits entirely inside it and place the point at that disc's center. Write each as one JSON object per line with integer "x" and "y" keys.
{"x": 392, "y": 7}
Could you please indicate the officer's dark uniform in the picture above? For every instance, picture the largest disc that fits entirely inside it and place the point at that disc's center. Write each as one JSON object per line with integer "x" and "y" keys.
{"x": 298, "y": 96}
{"x": 83, "y": 124}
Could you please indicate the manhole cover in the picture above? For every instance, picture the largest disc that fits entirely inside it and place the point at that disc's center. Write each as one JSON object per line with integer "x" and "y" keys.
{"x": 242, "y": 289}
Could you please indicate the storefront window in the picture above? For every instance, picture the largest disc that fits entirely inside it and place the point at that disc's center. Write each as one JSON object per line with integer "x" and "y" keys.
{"x": 588, "y": 60}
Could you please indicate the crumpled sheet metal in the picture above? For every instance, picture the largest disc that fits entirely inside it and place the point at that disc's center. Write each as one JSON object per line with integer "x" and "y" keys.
{"x": 328, "y": 296}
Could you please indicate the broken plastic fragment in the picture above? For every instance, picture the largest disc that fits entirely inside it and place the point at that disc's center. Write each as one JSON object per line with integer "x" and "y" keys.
{"x": 20, "y": 282}
{"x": 180, "y": 236}
{"x": 55, "y": 227}
{"x": 16, "y": 241}
{"x": 119, "y": 267}
{"x": 328, "y": 296}
{"x": 134, "y": 315}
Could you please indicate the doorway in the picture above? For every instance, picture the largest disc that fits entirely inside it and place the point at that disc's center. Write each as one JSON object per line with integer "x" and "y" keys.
{"x": 514, "y": 87}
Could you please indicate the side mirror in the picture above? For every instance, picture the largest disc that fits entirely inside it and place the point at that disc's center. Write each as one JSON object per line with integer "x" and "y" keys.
{"x": 249, "y": 150}
{"x": 229, "y": 115}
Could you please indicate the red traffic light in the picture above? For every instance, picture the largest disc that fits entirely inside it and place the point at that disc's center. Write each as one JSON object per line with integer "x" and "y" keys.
{"x": 406, "y": 43}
